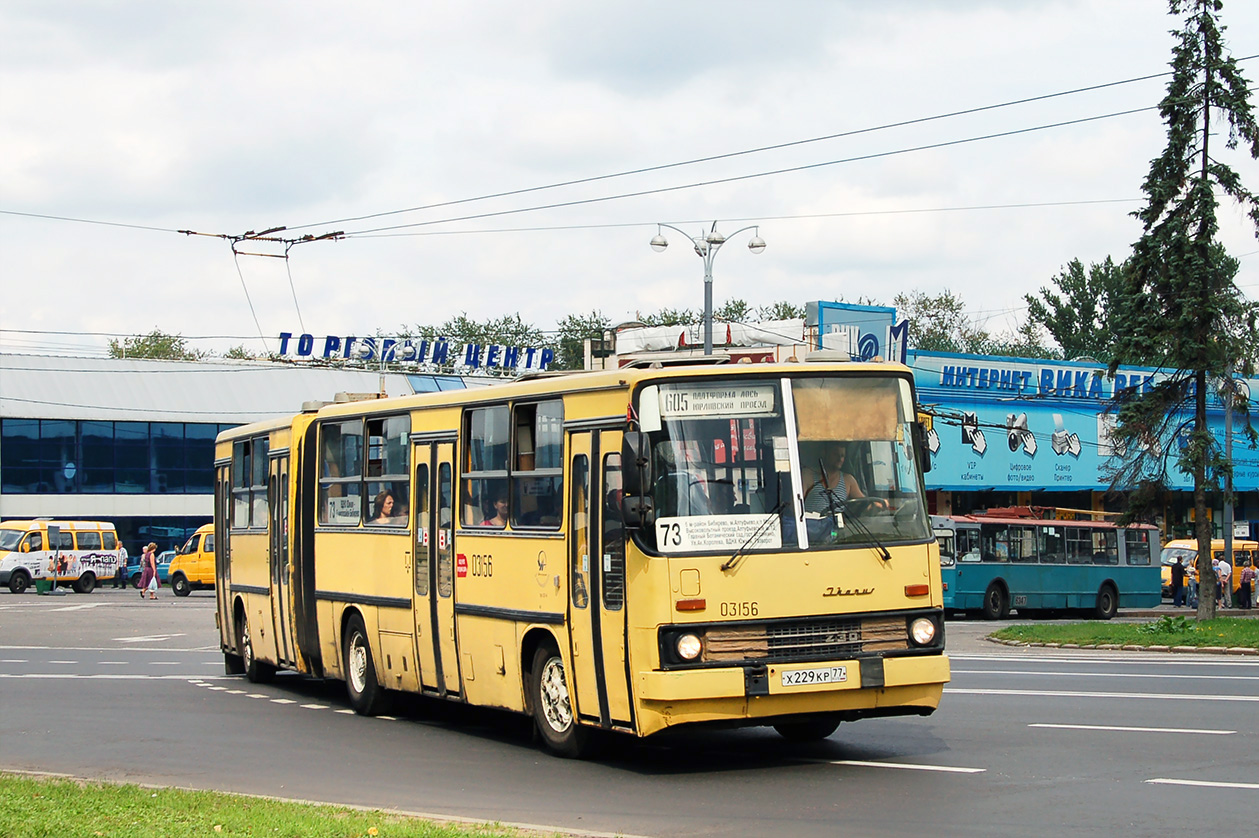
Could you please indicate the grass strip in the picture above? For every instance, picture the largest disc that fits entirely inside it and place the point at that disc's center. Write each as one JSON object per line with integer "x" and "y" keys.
{"x": 1167, "y": 630}
{"x": 38, "y": 807}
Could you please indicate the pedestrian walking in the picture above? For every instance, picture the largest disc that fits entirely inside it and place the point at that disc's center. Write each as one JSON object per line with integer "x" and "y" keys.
{"x": 1178, "y": 583}
{"x": 148, "y": 571}
{"x": 120, "y": 576}
{"x": 1247, "y": 578}
{"x": 1226, "y": 583}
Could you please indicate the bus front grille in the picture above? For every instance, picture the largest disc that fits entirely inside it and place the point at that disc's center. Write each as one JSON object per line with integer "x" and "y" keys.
{"x": 803, "y": 640}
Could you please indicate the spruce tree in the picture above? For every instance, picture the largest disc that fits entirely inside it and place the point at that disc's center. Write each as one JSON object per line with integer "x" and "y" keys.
{"x": 1182, "y": 313}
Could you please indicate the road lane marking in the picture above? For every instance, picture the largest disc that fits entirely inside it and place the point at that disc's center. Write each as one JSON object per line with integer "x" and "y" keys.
{"x": 163, "y": 663}
{"x": 70, "y": 676}
{"x": 60, "y": 661}
{"x": 218, "y": 688}
{"x": 349, "y": 712}
{"x": 14, "y": 660}
{"x": 315, "y": 706}
{"x": 1166, "y": 781}
{"x": 1082, "y": 694}
{"x": 257, "y": 695}
{"x": 1159, "y": 675}
{"x": 235, "y": 692}
{"x": 908, "y": 766}
{"x": 1137, "y": 729}
{"x": 283, "y": 701}
{"x": 151, "y": 638}
{"x": 112, "y": 663}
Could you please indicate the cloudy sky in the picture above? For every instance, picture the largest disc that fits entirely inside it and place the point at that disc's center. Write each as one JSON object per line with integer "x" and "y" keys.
{"x": 403, "y": 125}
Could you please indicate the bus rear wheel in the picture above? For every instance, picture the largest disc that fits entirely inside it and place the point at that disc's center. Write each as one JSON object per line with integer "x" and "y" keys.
{"x": 552, "y": 705}
{"x": 810, "y": 730}
{"x": 1107, "y": 603}
{"x": 996, "y": 603}
{"x": 367, "y": 697}
{"x": 255, "y": 670}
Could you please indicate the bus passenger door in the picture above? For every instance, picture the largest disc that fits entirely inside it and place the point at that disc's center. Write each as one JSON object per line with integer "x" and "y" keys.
{"x": 597, "y": 571}
{"x": 611, "y": 550}
{"x": 442, "y": 574}
{"x": 278, "y": 527}
{"x": 582, "y": 613}
{"x": 424, "y": 549}
{"x": 222, "y": 553}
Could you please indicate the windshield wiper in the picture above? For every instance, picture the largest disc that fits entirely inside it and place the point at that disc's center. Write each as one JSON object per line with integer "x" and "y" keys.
{"x": 770, "y": 517}
{"x": 865, "y": 531}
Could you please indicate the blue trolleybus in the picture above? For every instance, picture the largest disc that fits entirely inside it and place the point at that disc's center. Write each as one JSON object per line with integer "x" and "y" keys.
{"x": 1040, "y": 559}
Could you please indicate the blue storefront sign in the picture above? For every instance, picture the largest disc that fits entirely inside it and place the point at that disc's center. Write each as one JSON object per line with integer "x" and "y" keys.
{"x": 1020, "y": 425}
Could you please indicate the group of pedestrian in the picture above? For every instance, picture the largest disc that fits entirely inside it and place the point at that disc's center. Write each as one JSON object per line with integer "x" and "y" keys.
{"x": 148, "y": 571}
{"x": 1185, "y": 584}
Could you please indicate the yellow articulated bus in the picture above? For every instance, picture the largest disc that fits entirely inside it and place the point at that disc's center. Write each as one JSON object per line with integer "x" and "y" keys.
{"x": 625, "y": 551}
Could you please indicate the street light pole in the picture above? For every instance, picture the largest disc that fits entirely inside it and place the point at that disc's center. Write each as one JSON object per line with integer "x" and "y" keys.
{"x": 706, "y": 247}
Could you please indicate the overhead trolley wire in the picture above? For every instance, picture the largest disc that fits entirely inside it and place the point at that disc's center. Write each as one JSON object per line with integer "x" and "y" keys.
{"x": 744, "y": 152}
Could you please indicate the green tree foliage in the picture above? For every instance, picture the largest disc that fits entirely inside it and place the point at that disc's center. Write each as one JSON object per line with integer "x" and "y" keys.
{"x": 156, "y": 344}
{"x": 575, "y": 330}
{"x": 671, "y": 317}
{"x": 781, "y": 310}
{"x": 1181, "y": 310}
{"x": 939, "y": 323}
{"x": 1076, "y": 314}
{"x": 734, "y": 311}
{"x": 240, "y": 353}
{"x": 1026, "y": 341}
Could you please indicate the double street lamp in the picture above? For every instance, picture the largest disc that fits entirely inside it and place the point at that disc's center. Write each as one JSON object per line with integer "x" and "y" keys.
{"x": 706, "y": 247}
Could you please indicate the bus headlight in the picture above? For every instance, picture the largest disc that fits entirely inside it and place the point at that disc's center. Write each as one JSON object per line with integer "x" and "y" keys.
{"x": 922, "y": 631}
{"x": 689, "y": 647}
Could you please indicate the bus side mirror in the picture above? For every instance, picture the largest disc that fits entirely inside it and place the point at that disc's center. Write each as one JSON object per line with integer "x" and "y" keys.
{"x": 920, "y": 445}
{"x": 636, "y": 511}
{"x": 635, "y": 464}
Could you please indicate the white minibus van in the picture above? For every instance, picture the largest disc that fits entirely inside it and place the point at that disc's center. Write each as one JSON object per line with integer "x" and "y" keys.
{"x": 76, "y": 553}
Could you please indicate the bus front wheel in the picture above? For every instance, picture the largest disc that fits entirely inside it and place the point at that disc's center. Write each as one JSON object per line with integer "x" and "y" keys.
{"x": 552, "y": 705}
{"x": 85, "y": 583}
{"x": 19, "y": 581}
{"x": 996, "y": 603}
{"x": 179, "y": 584}
{"x": 1107, "y": 603}
{"x": 367, "y": 697}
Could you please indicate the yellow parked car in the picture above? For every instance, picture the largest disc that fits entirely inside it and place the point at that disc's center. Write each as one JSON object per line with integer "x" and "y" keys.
{"x": 193, "y": 566}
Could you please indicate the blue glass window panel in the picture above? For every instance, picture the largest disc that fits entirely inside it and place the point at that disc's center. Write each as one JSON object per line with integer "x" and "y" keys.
{"x": 96, "y": 444}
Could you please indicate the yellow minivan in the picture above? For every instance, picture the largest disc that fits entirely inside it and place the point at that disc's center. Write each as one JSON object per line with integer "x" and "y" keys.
{"x": 193, "y": 565}
{"x": 1187, "y": 548}
{"x": 74, "y": 553}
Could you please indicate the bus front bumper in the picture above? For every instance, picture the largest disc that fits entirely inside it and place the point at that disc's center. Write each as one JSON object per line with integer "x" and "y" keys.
{"x": 869, "y": 687}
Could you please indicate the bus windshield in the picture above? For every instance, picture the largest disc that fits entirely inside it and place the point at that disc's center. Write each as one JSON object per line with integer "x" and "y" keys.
{"x": 801, "y": 463}
{"x": 9, "y": 539}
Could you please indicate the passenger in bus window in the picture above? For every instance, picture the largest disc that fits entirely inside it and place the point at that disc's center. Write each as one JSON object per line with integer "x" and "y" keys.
{"x": 499, "y": 508}
{"x": 382, "y": 509}
{"x": 827, "y": 482}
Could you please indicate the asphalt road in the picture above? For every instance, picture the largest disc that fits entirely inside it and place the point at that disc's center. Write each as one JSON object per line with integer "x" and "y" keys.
{"x": 1027, "y": 742}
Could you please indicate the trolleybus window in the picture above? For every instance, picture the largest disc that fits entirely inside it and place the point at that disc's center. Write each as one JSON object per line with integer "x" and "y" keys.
{"x": 340, "y": 475}
{"x": 484, "y": 464}
{"x": 538, "y": 475}
{"x": 388, "y": 485}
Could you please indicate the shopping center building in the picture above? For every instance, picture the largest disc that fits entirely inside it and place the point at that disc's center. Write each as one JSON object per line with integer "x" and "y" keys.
{"x": 132, "y": 441}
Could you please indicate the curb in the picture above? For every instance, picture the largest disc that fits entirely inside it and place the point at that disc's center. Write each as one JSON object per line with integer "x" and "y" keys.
{"x": 1131, "y": 647}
